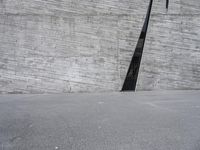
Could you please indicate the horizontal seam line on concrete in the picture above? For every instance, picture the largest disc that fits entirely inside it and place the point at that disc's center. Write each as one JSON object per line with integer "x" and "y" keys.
{"x": 158, "y": 14}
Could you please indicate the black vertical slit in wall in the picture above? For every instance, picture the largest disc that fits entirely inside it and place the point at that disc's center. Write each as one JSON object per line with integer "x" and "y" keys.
{"x": 167, "y": 4}
{"x": 132, "y": 74}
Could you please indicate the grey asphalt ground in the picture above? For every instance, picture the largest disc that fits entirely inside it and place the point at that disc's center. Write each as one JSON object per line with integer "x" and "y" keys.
{"x": 167, "y": 120}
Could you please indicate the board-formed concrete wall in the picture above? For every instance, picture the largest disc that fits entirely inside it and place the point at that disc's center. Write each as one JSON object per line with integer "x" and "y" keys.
{"x": 49, "y": 46}
{"x": 171, "y": 58}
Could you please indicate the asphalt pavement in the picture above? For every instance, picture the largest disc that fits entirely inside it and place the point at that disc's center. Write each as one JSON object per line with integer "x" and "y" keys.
{"x": 162, "y": 120}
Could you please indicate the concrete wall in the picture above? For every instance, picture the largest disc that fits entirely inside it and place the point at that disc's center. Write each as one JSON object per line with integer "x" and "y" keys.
{"x": 171, "y": 58}
{"x": 51, "y": 46}
{"x": 67, "y": 45}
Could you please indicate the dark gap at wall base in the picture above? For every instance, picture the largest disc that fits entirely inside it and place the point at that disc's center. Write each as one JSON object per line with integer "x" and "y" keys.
{"x": 132, "y": 74}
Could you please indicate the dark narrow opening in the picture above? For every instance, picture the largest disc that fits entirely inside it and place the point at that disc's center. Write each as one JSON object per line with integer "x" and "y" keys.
{"x": 167, "y": 4}
{"x": 132, "y": 74}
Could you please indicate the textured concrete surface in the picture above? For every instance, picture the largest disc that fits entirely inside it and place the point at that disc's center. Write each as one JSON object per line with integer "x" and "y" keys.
{"x": 171, "y": 58}
{"x": 61, "y": 46}
{"x": 67, "y": 45}
{"x": 108, "y": 121}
